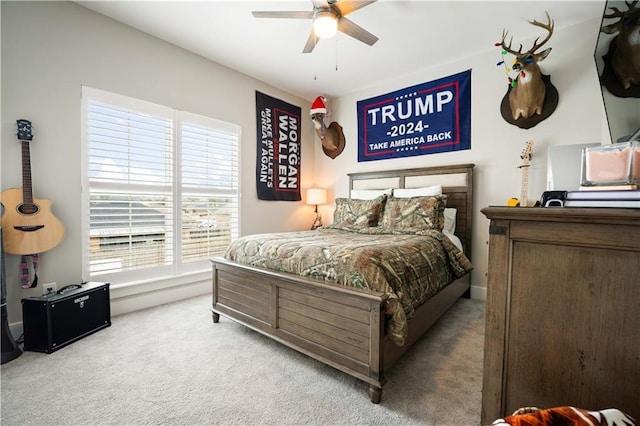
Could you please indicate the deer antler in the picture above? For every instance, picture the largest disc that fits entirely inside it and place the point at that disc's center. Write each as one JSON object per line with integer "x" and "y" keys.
{"x": 631, "y": 6}
{"x": 548, "y": 26}
{"x": 622, "y": 15}
{"x": 508, "y": 48}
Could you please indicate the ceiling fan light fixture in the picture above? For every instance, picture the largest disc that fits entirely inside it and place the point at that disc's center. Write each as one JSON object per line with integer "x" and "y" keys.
{"x": 325, "y": 24}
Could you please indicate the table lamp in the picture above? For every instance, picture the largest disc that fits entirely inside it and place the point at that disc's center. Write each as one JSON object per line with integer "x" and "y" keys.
{"x": 316, "y": 196}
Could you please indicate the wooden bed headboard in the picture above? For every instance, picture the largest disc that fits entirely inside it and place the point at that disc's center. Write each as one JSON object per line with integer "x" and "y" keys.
{"x": 456, "y": 181}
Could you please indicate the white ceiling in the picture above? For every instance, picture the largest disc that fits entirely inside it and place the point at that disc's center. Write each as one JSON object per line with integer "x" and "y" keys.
{"x": 413, "y": 35}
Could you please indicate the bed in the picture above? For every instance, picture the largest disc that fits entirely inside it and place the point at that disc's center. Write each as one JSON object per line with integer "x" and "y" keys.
{"x": 342, "y": 326}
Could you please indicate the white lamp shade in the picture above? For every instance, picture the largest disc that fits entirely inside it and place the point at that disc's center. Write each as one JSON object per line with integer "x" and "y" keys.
{"x": 325, "y": 25}
{"x": 316, "y": 196}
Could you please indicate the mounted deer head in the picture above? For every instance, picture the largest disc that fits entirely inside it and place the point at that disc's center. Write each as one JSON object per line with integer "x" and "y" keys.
{"x": 528, "y": 90}
{"x": 332, "y": 137}
{"x": 625, "y": 60}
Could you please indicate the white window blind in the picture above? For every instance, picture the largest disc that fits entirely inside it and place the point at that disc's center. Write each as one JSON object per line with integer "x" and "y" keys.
{"x": 163, "y": 191}
{"x": 209, "y": 203}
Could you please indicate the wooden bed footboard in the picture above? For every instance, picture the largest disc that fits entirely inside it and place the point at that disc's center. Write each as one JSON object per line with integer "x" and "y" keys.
{"x": 340, "y": 326}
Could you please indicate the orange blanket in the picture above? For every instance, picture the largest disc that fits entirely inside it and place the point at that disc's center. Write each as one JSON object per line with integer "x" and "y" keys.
{"x": 569, "y": 416}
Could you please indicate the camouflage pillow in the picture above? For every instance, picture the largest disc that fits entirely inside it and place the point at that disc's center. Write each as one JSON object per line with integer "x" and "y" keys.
{"x": 414, "y": 213}
{"x": 356, "y": 214}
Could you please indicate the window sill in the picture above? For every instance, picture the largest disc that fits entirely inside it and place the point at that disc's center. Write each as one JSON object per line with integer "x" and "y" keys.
{"x": 135, "y": 296}
{"x": 136, "y": 288}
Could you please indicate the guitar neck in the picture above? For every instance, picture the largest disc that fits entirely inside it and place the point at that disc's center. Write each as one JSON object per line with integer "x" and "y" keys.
{"x": 27, "y": 191}
{"x": 524, "y": 193}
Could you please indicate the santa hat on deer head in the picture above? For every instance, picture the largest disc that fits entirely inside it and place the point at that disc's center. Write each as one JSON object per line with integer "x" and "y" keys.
{"x": 318, "y": 106}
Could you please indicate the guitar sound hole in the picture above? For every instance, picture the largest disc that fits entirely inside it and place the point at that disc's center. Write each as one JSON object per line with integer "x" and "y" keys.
{"x": 28, "y": 208}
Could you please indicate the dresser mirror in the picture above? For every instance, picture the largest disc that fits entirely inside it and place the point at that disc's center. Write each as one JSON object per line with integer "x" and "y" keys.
{"x": 622, "y": 104}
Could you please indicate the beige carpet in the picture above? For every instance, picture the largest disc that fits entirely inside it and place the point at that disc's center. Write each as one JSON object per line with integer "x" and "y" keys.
{"x": 172, "y": 365}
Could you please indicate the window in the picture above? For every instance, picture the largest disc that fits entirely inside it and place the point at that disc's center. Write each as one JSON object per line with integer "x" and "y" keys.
{"x": 160, "y": 186}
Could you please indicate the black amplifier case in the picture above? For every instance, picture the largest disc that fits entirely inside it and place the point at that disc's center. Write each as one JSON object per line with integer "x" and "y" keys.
{"x": 52, "y": 322}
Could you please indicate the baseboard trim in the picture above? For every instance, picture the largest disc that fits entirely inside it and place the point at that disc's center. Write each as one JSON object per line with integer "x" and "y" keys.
{"x": 122, "y": 304}
{"x": 479, "y": 293}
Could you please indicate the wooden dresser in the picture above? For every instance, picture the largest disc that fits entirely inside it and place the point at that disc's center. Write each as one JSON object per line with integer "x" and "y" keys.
{"x": 563, "y": 310}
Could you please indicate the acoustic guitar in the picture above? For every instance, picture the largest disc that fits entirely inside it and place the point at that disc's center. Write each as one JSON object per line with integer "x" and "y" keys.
{"x": 28, "y": 225}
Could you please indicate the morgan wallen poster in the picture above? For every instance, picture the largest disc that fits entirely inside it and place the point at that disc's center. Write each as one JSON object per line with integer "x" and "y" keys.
{"x": 423, "y": 119}
{"x": 278, "y": 151}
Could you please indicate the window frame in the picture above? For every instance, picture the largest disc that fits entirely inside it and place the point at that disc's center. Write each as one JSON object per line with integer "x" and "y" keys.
{"x": 177, "y": 270}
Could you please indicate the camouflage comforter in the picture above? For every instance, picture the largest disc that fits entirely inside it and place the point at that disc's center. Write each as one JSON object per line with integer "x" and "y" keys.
{"x": 410, "y": 268}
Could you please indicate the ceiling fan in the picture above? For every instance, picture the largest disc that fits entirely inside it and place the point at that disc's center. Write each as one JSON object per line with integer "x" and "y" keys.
{"x": 328, "y": 17}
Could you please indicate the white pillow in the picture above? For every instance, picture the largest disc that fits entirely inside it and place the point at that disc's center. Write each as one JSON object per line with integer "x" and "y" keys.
{"x": 450, "y": 220}
{"x": 369, "y": 194}
{"x": 426, "y": 191}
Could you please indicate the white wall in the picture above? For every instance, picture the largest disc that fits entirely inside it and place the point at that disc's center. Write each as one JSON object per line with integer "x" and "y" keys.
{"x": 495, "y": 145}
{"x": 50, "y": 49}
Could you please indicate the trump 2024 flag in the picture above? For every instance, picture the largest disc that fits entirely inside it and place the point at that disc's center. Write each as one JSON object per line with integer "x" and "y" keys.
{"x": 423, "y": 119}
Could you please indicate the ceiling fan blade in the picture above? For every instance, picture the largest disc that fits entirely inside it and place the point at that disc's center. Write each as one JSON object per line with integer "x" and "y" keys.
{"x": 282, "y": 14}
{"x": 346, "y": 7}
{"x": 311, "y": 43}
{"x": 319, "y": 3}
{"x": 356, "y": 31}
